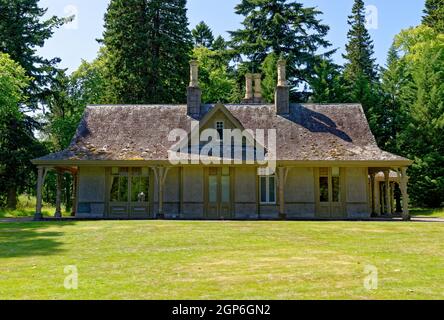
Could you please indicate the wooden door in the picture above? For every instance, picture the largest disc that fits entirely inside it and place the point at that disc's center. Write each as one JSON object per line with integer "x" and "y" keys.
{"x": 130, "y": 193}
{"x": 330, "y": 193}
{"x": 218, "y": 193}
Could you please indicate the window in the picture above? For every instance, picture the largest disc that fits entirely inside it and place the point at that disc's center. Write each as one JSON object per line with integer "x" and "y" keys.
{"x": 220, "y": 126}
{"x": 140, "y": 185}
{"x": 225, "y": 185}
{"x": 268, "y": 189}
{"x": 336, "y": 184}
{"x": 119, "y": 186}
{"x": 329, "y": 185}
{"x": 130, "y": 185}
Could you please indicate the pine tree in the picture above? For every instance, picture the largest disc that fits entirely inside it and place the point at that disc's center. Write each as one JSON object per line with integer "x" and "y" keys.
{"x": 286, "y": 28}
{"x": 219, "y": 44}
{"x": 360, "y": 49}
{"x": 149, "y": 46}
{"x": 203, "y": 35}
{"x": 434, "y": 15}
{"x": 327, "y": 83}
{"x": 361, "y": 71}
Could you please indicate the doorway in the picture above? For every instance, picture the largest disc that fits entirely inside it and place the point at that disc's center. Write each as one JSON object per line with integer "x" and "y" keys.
{"x": 130, "y": 193}
{"x": 219, "y": 193}
{"x": 330, "y": 202}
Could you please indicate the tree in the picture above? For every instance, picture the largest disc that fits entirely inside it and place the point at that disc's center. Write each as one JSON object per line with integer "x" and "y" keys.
{"x": 394, "y": 85}
{"x": 361, "y": 72}
{"x": 22, "y": 31}
{"x": 88, "y": 85}
{"x": 327, "y": 83}
{"x": 423, "y": 97}
{"x": 286, "y": 28}
{"x": 219, "y": 44}
{"x": 434, "y": 15}
{"x": 149, "y": 46}
{"x": 216, "y": 81}
{"x": 15, "y": 135}
{"x": 359, "y": 50}
{"x": 202, "y": 34}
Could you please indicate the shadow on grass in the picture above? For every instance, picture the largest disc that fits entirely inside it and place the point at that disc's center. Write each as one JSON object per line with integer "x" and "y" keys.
{"x": 28, "y": 239}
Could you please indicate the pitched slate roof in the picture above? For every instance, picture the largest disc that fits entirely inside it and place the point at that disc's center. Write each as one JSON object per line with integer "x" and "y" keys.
{"x": 338, "y": 132}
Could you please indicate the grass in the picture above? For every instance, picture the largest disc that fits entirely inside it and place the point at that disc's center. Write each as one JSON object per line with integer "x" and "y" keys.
{"x": 26, "y": 208}
{"x": 428, "y": 213}
{"x": 221, "y": 260}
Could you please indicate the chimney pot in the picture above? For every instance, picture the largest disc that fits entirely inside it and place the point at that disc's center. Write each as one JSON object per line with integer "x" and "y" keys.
{"x": 282, "y": 95}
{"x": 194, "y": 94}
{"x": 248, "y": 87}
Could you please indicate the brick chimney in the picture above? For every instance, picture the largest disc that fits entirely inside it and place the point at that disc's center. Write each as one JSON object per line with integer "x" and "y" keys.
{"x": 282, "y": 96}
{"x": 194, "y": 93}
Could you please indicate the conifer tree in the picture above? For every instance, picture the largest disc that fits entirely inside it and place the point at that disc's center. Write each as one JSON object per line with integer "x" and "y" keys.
{"x": 203, "y": 35}
{"x": 284, "y": 27}
{"x": 149, "y": 46}
{"x": 360, "y": 49}
{"x": 434, "y": 15}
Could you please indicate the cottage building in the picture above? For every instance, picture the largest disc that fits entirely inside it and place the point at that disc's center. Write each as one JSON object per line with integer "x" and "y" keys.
{"x": 140, "y": 162}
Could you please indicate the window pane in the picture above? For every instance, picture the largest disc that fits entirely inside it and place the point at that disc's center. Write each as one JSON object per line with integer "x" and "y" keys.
{"x": 225, "y": 189}
{"x": 336, "y": 189}
{"x": 323, "y": 189}
{"x": 123, "y": 189}
{"x": 145, "y": 188}
{"x": 212, "y": 189}
{"x": 264, "y": 190}
{"x": 135, "y": 188}
{"x": 272, "y": 189}
{"x": 115, "y": 190}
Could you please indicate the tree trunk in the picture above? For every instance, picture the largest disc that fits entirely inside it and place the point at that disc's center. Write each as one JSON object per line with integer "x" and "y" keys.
{"x": 12, "y": 198}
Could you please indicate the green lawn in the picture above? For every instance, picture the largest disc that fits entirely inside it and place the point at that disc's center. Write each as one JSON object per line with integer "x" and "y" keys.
{"x": 26, "y": 208}
{"x": 428, "y": 213}
{"x": 221, "y": 260}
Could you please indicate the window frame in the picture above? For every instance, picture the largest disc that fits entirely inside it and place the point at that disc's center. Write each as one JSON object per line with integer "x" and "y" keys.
{"x": 267, "y": 190}
{"x": 216, "y": 126}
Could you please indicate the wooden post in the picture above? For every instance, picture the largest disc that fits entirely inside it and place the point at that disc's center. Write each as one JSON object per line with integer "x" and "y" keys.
{"x": 58, "y": 213}
{"x": 372, "y": 193}
{"x": 40, "y": 181}
{"x": 74, "y": 195}
{"x": 282, "y": 178}
{"x": 387, "y": 193}
{"x": 161, "y": 175}
{"x": 405, "y": 196}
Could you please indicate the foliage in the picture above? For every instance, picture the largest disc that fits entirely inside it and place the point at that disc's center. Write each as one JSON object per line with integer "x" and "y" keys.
{"x": 22, "y": 31}
{"x": 148, "y": 45}
{"x": 216, "y": 82}
{"x": 286, "y": 28}
{"x": 327, "y": 83}
{"x": 423, "y": 102}
{"x": 203, "y": 35}
{"x": 16, "y": 138}
{"x": 434, "y": 15}
{"x": 361, "y": 72}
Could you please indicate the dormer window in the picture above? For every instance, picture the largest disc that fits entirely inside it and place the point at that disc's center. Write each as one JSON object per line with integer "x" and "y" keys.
{"x": 220, "y": 126}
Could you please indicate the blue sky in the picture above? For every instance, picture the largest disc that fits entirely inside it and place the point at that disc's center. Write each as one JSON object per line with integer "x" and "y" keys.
{"x": 78, "y": 40}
